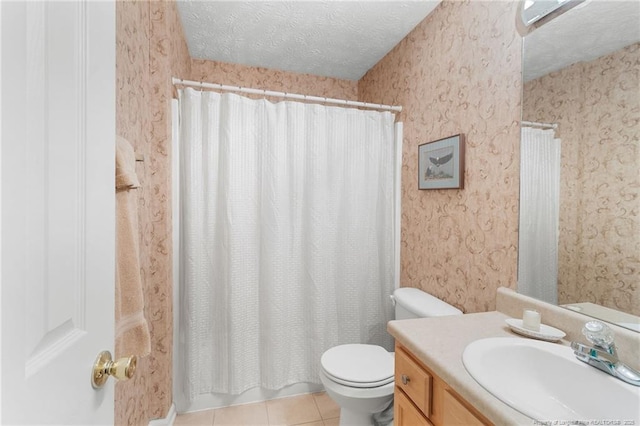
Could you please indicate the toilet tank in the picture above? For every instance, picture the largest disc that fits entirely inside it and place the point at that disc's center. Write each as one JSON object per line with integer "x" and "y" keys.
{"x": 414, "y": 303}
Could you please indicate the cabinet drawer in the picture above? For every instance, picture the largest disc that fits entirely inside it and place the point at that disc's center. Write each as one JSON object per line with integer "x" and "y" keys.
{"x": 414, "y": 381}
{"x": 405, "y": 413}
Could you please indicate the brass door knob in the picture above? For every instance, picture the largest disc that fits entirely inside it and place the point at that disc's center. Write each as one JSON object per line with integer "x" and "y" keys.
{"x": 121, "y": 369}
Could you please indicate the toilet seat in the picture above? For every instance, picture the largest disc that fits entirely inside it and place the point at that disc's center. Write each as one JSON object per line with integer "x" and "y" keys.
{"x": 358, "y": 365}
{"x": 358, "y": 384}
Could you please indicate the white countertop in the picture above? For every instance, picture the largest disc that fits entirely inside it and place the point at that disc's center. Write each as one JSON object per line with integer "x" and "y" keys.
{"x": 439, "y": 343}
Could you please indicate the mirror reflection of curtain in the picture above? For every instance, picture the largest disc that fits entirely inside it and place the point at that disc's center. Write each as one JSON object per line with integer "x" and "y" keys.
{"x": 539, "y": 212}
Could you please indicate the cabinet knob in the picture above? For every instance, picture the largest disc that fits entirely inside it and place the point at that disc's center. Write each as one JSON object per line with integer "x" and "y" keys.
{"x": 405, "y": 379}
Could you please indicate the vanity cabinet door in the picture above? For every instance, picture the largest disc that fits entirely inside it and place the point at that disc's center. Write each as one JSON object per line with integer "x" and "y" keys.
{"x": 455, "y": 413}
{"x": 405, "y": 413}
{"x": 423, "y": 398}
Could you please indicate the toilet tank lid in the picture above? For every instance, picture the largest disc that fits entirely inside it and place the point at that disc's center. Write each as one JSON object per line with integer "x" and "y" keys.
{"x": 423, "y": 304}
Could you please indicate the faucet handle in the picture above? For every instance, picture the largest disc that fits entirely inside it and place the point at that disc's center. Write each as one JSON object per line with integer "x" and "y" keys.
{"x": 598, "y": 333}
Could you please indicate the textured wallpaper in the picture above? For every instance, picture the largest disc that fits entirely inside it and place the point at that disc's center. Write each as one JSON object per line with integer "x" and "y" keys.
{"x": 150, "y": 46}
{"x": 269, "y": 79}
{"x": 458, "y": 72}
{"x": 150, "y": 50}
{"x": 132, "y": 122}
{"x": 597, "y": 107}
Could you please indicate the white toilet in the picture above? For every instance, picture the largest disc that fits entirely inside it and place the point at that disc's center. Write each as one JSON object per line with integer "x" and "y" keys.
{"x": 359, "y": 377}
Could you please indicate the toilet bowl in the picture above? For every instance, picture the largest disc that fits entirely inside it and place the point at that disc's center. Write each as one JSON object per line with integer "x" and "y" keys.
{"x": 359, "y": 377}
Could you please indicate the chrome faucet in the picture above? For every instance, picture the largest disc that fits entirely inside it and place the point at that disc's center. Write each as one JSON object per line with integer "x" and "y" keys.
{"x": 603, "y": 354}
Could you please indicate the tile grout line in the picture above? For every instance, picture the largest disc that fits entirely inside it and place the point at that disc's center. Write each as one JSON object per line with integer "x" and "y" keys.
{"x": 267, "y": 410}
{"x": 321, "y": 414}
{"x": 315, "y": 401}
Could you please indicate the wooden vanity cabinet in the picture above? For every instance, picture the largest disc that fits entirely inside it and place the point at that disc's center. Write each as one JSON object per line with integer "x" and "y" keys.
{"x": 422, "y": 398}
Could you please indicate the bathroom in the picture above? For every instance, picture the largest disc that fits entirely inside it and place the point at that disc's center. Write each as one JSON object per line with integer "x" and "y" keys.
{"x": 494, "y": 123}
{"x": 458, "y": 71}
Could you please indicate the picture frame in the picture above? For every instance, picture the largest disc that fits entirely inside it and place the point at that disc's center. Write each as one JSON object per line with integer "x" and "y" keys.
{"x": 441, "y": 163}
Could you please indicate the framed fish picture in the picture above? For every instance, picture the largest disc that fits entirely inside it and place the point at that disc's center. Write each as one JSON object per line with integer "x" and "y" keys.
{"x": 441, "y": 163}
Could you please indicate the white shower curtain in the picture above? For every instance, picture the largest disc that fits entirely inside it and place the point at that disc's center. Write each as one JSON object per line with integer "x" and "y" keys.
{"x": 539, "y": 214}
{"x": 287, "y": 238}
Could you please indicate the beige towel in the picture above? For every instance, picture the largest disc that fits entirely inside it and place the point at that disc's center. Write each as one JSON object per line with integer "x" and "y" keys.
{"x": 132, "y": 330}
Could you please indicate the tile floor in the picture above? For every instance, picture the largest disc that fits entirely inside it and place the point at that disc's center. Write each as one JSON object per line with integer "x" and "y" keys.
{"x": 316, "y": 409}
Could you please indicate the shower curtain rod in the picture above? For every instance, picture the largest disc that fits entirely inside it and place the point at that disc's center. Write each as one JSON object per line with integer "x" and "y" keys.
{"x": 191, "y": 83}
{"x": 536, "y": 124}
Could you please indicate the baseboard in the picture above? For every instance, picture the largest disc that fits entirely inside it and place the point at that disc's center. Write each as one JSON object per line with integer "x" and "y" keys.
{"x": 167, "y": 421}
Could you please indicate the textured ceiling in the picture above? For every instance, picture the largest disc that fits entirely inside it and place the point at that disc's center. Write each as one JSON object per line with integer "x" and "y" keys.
{"x": 341, "y": 39}
{"x": 588, "y": 31}
{"x": 344, "y": 39}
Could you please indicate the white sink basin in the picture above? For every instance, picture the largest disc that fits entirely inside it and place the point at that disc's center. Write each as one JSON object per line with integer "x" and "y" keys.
{"x": 547, "y": 383}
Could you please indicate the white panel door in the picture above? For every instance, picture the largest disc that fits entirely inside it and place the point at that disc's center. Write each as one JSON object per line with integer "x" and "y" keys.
{"x": 58, "y": 209}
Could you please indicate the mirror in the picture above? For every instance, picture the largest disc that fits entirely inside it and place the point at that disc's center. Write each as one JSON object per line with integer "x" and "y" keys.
{"x": 581, "y": 77}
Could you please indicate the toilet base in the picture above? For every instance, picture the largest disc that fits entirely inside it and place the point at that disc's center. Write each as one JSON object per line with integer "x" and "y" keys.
{"x": 357, "y": 405}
